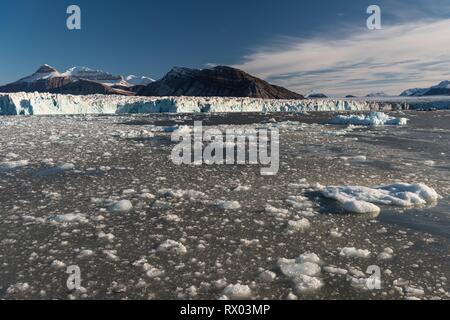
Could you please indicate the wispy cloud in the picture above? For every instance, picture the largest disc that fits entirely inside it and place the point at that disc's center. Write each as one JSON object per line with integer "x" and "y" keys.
{"x": 411, "y": 54}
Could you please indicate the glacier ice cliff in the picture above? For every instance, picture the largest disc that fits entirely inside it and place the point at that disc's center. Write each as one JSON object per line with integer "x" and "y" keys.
{"x": 22, "y": 103}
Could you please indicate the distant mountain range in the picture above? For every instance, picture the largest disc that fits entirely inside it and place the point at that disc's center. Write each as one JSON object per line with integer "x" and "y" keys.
{"x": 441, "y": 89}
{"x": 78, "y": 81}
{"x": 220, "y": 81}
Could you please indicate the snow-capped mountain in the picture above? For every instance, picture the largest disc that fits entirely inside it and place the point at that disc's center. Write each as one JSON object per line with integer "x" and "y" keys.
{"x": 441, "y": 89}
{"x": 76, "y": 80}
{"x": 44, "y": 72}
{"x": 139, "y": 81}
{"x": 106, "y": 78}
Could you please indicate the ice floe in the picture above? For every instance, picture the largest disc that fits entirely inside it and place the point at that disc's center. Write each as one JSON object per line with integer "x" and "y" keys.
{"x": 304, "y": 271}
{"x": 301, "y": 225}
{"x": 172, "y": 246}
{"x": 228, "y": 205}
{"x": 359, "y": 199}
{"x": 373, "y": 119}
{"x": 9, "y": 165}
{"x": 121, "y": 206}
{"x": 352, "y": 252}
{"x": 237, "y": 291}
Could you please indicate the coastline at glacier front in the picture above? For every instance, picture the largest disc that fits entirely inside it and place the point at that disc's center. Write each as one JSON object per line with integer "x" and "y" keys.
{"x": 35, "y": 103}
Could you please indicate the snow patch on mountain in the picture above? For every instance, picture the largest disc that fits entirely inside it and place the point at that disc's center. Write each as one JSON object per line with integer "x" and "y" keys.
{"x": 43, "y": 73}
{"x": 139, "y": 81}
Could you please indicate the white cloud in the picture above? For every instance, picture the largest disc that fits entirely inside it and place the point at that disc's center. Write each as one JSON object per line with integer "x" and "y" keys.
{"x": 413, "y": 54}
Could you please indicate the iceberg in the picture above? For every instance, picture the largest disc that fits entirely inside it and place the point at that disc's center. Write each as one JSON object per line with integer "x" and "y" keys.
{"x": 373, "y": 119}
{"x": 357, "y": 199}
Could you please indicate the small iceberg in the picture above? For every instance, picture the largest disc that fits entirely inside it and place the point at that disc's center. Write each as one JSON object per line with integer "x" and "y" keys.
{"x": 358, "y": 199}
{"x": 373, "y": 119}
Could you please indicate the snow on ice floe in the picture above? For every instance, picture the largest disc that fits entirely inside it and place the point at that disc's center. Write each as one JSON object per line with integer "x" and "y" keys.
{"x": 373, "y": 119}
{"x": 304, "y": 271}
{"x": 357, "y": 199}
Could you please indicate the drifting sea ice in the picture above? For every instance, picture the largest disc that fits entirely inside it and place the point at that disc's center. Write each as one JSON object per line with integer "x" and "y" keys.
{"x": 172, "y": 246}
{"x": 373, "y": 119}
{"x": 358, "y": 199}
{"x": 9, "y": 165}
{"x": 304, "y": 271}
{"x": 352, "y": 252}
{"x": 121, "y": 206}
{"x": 237, "y": 291}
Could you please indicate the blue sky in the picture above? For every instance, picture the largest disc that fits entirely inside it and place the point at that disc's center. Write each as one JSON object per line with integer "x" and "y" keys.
{"x": 304, "y": 45}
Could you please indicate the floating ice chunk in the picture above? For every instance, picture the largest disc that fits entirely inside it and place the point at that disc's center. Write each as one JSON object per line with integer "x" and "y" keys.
{"x": 363, "y": 199}
{"x": 360, "y": 207}
{"x": 276, "y": 212}
{"x": 18, "y": 288}
{"x": 66, "y": 166}
{"x": 237, "y": 291}
{"x": 111, "y": 255}
{"x": 56, "y": 264}
{"x": 10, "y": 165}
{"x": 121, "y": 206}
{"x": 334, "y": 270}
{"x": 171, "y": 217}
{"x": 292, "y": 268}
{"x": 307, "y": 283}
{"x": 304, "y": 271}
{"x": 106, "y": 236}
{"x": 240, "y": 188}
{"x": 267, "y": 276}
{"x": 191, "y": 195}
{"x": 415, "y": 292}
{"x": 228, "y": 205}
{"x": 298, "y": 225}
{"x": 352, "y": 252}
{"x": 85, "y": 254}
{"x": 309, "y": 257}
{"x": 373, "y": 119}
{"x": 172, "y": 246}
{"x": 71, "y": 218}
{"x": 335, "y": 233}
{"x": 386, "y": 254}
{"x": 151, "y": 271}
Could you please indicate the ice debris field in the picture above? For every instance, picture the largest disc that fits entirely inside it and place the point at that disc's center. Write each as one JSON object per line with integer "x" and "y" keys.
{"x": 100, "y": 192}
{"x": 56, "y": 104}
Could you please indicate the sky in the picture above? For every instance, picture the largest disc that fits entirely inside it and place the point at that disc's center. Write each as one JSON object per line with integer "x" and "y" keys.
{"x": 321, "y": 46}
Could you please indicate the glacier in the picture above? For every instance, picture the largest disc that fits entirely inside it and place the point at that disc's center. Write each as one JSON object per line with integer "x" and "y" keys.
{"x": 35, "y": 103}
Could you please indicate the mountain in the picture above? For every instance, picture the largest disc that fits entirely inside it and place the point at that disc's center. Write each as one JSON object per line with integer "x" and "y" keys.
{"x": 376, "y": 95}
{"x": 220, "y": 81}
{"x": 441, "y": 89}
{"x": 317, "y": 95}
{"x": 139, "y": 81}
{"x": 77, "y": 81}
